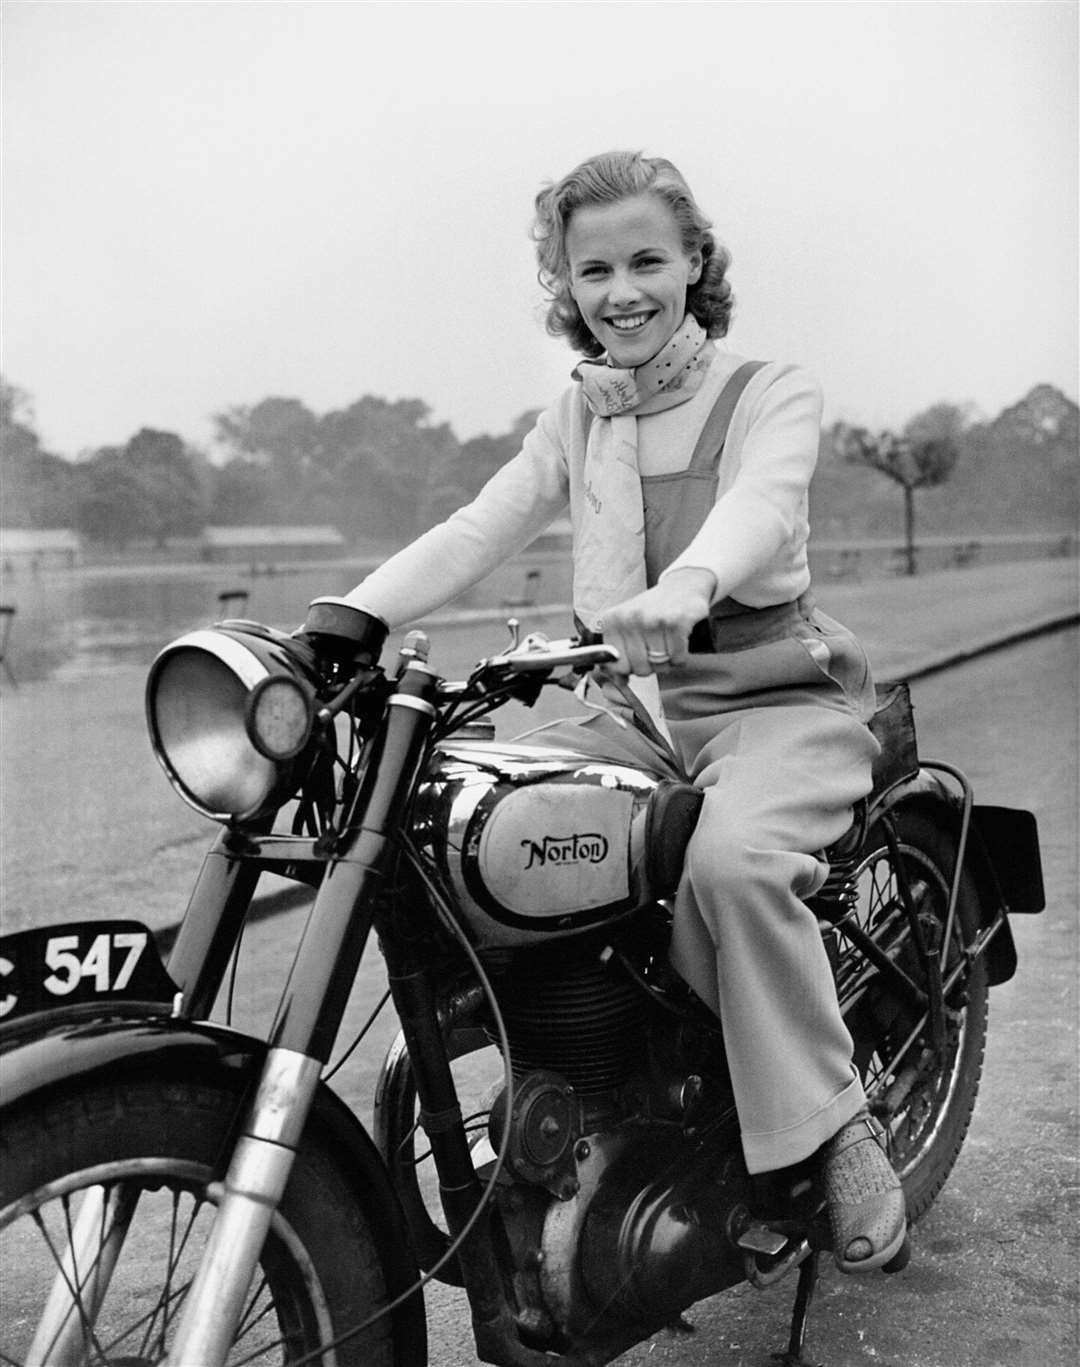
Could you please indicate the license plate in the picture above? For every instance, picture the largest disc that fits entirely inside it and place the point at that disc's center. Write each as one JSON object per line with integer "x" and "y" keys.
{"x": 84, "y": 961}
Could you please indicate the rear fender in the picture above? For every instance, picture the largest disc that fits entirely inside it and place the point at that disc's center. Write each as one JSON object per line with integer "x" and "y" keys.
{"x": 1002, "y": 857}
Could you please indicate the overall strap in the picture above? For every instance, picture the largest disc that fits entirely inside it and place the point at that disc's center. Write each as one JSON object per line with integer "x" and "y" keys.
{"x": 710, "y": 443}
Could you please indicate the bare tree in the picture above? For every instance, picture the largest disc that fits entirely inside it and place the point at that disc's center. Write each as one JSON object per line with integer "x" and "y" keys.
{"x": 923, "y": 457}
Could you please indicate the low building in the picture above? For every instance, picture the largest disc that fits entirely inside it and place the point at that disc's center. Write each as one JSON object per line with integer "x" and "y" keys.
{"x": 35, "y": 549}
{"x": 266, "y": 546}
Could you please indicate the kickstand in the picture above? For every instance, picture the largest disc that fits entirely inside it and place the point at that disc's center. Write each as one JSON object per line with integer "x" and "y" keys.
{"x": 804, "y": 1291}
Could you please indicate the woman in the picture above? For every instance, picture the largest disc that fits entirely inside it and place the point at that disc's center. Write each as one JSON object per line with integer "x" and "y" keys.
{"x": 686, "y": 471}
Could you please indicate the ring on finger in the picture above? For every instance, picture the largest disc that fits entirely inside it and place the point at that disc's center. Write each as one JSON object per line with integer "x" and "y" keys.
{"x": 657, "y": 657}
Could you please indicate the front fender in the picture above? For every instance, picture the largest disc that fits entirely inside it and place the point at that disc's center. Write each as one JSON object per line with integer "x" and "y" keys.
{"x": 67, "y": 1047}
{"x": 74, "y": 1044}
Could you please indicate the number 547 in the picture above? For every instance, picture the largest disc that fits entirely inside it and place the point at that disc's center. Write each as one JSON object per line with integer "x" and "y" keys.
{"x": 61, "y": 955}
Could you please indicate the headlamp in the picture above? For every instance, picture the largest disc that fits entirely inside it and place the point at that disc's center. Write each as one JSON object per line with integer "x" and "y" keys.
{"x": 230, "y": 711}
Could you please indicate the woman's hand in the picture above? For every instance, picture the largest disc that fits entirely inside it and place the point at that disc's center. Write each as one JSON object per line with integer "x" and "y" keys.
{"x": 651, "y": 630}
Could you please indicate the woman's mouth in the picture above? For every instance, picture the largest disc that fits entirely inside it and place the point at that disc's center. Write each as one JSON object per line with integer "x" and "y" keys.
{"x": 629, "y": 323}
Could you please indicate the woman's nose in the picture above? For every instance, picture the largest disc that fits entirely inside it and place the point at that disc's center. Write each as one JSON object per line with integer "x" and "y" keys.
{"x": 623, "y": 289}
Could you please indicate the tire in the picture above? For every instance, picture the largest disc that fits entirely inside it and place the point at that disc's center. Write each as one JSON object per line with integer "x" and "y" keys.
{"x": 164, "y": 1143}
{"x": 924, "y": 1100}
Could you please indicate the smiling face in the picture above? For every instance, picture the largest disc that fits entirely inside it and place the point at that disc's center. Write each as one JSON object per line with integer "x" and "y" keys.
{"x": 629, "y": 275}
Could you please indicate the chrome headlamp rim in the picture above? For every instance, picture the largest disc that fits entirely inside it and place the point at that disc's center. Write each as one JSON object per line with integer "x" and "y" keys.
{"x": 199, "y": 694}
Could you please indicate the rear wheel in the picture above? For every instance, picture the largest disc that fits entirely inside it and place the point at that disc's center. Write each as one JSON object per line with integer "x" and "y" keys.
{"x": 147, "y": 1157}
{"x": 924, "y": 1096}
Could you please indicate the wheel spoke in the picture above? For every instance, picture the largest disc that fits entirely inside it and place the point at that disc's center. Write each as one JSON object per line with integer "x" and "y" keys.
{"x": 249, "y": 1320}
{"x": 169, "y": 1298}
{"x": 71, "y": 1279}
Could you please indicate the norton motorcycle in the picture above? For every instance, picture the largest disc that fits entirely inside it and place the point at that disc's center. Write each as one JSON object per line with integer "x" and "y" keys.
{"x": 553, "y": 1129}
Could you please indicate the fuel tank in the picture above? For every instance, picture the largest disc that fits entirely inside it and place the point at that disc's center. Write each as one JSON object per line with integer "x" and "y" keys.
{"x": 540, "y": 843}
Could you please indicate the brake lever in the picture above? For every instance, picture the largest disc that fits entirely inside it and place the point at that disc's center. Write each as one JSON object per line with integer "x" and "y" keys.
{"x": 560, "y": 655}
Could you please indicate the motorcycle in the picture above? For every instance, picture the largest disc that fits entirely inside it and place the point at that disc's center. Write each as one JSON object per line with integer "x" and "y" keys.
{"x": 553, "y": 1128}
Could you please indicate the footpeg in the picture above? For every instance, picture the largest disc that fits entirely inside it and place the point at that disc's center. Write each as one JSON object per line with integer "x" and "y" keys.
{"x": 762, "y": 1239}
{"x": 785, "y": 1254}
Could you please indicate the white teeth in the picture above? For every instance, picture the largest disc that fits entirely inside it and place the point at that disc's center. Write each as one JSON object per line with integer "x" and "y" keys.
{"x": 629, "y": 324}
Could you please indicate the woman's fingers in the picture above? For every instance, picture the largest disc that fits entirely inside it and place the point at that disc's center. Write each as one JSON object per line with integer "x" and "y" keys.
{"x": 652, "y": 629}
{"x": 645, "y": 649}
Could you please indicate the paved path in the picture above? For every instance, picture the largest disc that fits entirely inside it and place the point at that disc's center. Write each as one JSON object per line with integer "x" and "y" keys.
{"x": 914, "y": 627}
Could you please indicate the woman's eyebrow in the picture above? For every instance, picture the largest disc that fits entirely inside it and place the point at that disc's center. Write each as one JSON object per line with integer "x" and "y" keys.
{"x": 603, "y": 260}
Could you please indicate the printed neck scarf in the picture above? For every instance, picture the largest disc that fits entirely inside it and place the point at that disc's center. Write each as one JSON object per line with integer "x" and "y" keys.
{"x": 609, "y": 549}
{"x": 670, "y": 378}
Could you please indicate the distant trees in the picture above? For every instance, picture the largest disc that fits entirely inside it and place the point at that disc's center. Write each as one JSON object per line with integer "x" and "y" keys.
{"x": 923, "y": 456}
{"x": 151, "y": 487}
{"x": 382, "y": 470}
{"x": 148, "y": 488}
{"x": 36, "y": 488}
{"x": 242, "y": 493}
{"x": 379, "y": 470}
{"x": 376, "y": 469}
{"x": 165, "y": 470}
{"x": 379, "y": 461}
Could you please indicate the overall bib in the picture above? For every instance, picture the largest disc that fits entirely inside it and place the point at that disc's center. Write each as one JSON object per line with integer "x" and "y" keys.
{"x": 768, "y": 717}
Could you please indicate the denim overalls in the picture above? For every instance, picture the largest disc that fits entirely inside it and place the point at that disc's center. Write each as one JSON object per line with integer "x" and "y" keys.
{"x": 768, "y": 717}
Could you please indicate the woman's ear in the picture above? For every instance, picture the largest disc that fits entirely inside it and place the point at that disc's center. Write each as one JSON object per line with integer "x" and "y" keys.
{"x": 697, "y": 264}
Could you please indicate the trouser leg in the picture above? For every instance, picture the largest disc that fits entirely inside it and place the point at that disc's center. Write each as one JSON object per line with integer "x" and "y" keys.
{"x": 780, "y": 783}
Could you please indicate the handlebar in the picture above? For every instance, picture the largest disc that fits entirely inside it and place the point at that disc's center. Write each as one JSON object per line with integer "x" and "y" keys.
{"x": 350, "y": 637}
{"x": 537, "y": 653}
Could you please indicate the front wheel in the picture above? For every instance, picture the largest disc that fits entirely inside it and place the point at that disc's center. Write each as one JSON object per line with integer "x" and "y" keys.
{"x": 106, "y": 1199}
{"x": 924, "y": 1092}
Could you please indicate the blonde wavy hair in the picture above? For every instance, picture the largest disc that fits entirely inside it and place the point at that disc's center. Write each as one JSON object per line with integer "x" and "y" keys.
{"x": 606, "y": 179}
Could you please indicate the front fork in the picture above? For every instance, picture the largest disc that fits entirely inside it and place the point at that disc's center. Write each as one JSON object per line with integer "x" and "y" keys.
{"x": 254, "y": 1185}
{"x": 305, "y": 1027}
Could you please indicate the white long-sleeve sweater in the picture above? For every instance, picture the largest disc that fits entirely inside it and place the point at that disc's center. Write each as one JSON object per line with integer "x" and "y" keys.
{"x": 753, "y": 540}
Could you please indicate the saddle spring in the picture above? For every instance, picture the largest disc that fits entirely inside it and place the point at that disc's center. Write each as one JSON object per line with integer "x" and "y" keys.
{"x": 838, "y": 895}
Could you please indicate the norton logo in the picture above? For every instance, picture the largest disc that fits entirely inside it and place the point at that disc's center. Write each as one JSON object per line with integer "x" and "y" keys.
{"x": 566, "y": 849}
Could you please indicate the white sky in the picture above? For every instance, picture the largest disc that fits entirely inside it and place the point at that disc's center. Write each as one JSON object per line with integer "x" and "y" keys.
{"x": 206, "y": 204}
